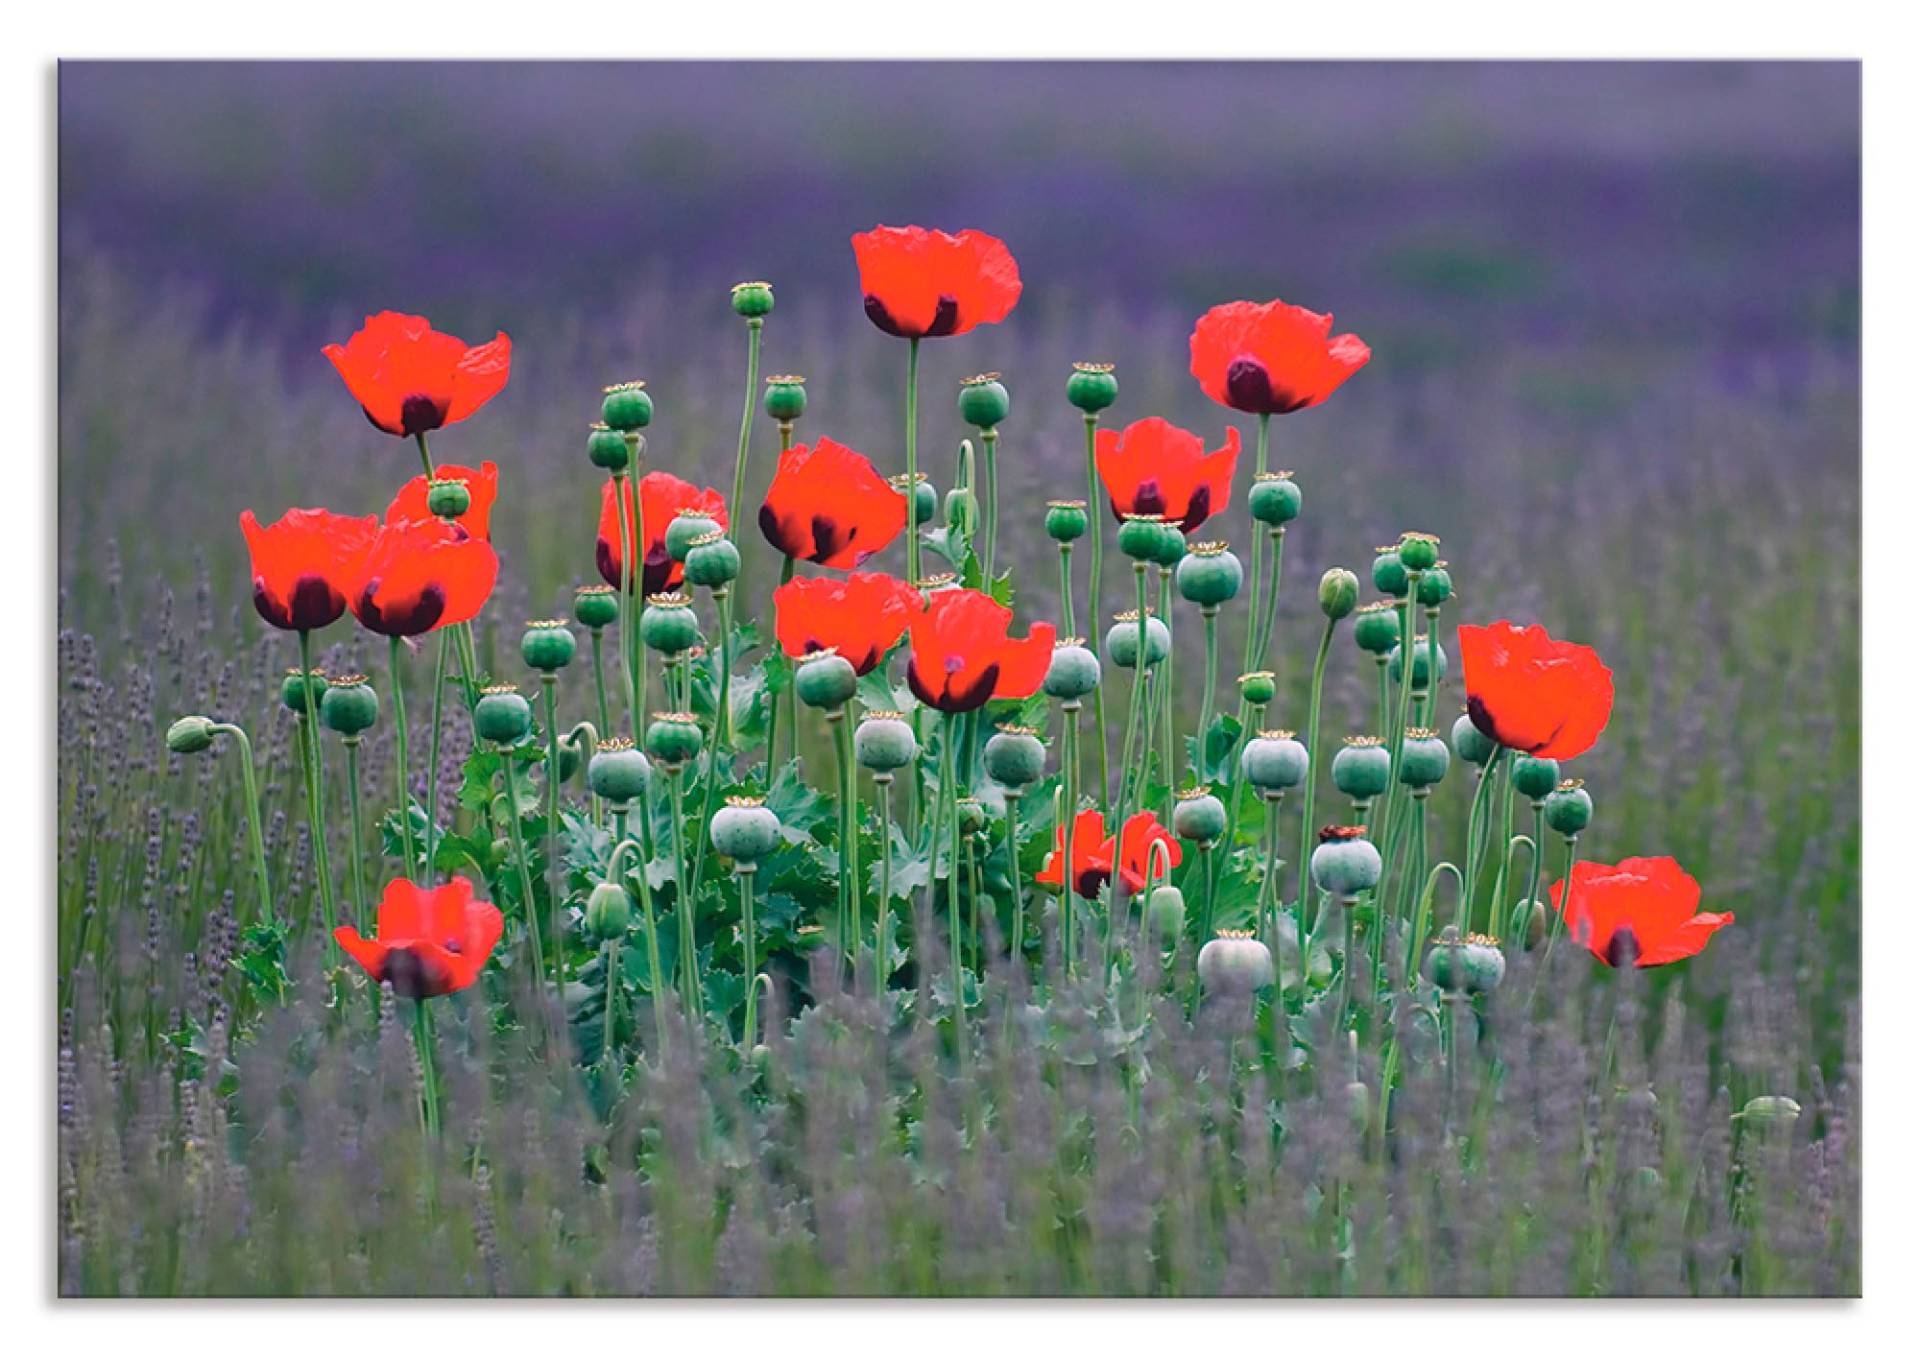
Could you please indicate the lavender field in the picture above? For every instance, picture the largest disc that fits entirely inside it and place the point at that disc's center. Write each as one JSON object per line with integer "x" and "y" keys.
{"x": 1614, "y": 316}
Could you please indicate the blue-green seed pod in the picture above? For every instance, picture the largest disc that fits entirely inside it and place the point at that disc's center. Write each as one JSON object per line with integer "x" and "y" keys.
{"x": 1344, "y": 864}
{"x": 1473, "y": 964}
{"x": 752, "y": 300}
{"x": 1014, "y": 756}
{"x": 884, "y": 742}
{"x": 1425, "y": 652}
{"x": 190, "y": 734}
{"x": 668, "y": 626}
{"x": 547, "y": 645}
{"x": 1376, "y": 627}
{"x": 1436, "y": 586}
{"x": 1423, "y": 759}
{"x": 1419, "y": 550}
{"x": 296, "y": 686}
{"x": 1123, "y": 640}
{"x": 1092, "y": 387}
{"x": 1257, "y": 688}
{"x": 626, "y": 407}
{"x": 1074, "y": 671}
{"x": 786, "y": 398}
{"x": 1066, "y": 519}
{"x": 1362, "y": 768}
{"x": 595, "y": 606}
{"x": 1339, "y": 593}
{"x": 618, "y": 772}
{"x": 926, "y": 500}
{"x": 448, "y": 498}
{"x": 608, "y": 912}
{"x": 1535, "y": 778}
{"x": 688, "y": 526}
{"x": 1171, "y": 548}
{"x": 1274, "y": 761}
{"x": 673, "y": 737}
{"x": 607, "y": 448}
{"x": 502, "y": 715}
{"x": 1389, "y": 575}
{"x": 824, "y": 680}
{"x": 1198, "y": 816}
{"x": 744, "y": 829}
{"x": 1569, "y": 809}
{"x": 713, "y": 562}
{"x": 1469, "y": 745}
{"x": 1274, "y": 498}
{"x": 1143, "y": 536}
{"x": 984, "y": 402}
{"x": 1234, "y": 964}
{"x": 1209, "y": 575}
{"x": 350, "y": 705}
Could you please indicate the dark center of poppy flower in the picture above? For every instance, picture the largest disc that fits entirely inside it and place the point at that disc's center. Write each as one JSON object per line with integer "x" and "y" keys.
{"x": 1623, "y": 948}
{"x": 828, "y": 540}
{"x": 775, "y": 532}
{"x": 1088, "y": 880}
{"x": 421, "y": 414}
{"x": 309, "y": 605}
{"x": 1199, "y": 505}
{"x": 946, "y": 318}
{"x": 413, "y": 616}
{"x": 410, "y": 974}
{"x": 1147, "y": 497}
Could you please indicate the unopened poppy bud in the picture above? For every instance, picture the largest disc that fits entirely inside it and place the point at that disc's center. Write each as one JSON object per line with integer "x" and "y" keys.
{"x": 825, "y": 680}
{"x": 1234, "y": 964}
{"x": 744, "y": 829}
{"x": 1362, "y": 768}
{"x": 607, "y": 449}
{"x": 786, "y": 398}
{"x": 668, "y": 626}
{"x": 884, "y": 742}
{"x": 298, "y": 686}
{"x": 547, "y": 645}
{"x": 1569, "y": 809}
{"x": 984, "y": 402}
{"x": 925, "y": 500}
{"x": 1469, "y": 744}
{"x": 752, "y": 300}
{"x": 1339, "y": 593}
{"x": 1066, "y": 519}
{"x": 1436, "y": 586}
{"x": 1199, "y": 816}
{"x": 618, "y": 772}
{"x": 1428, "y": 655}
{"x": 608, "y": 911}
{"x": 712, "y": 561}
{"x": 569, "y": 761}
{"x": 1423, "y": 759}
{"x": 596, "y": 606}
{"x": 190, "y": 734}
{"x": 1376, "y": 627}
{"x": 1123, "y": 640}
{"x": 1274, "y": 498}
{"x": 971, "y": 815}
{"x": 1257, "y": 688}
{"x": 1073, "y": 673}
{"x": 350, "y": 705}
{"x": 1274, "y": 761}
{"x": 1389, "y": 575}
{"x": 1166, "y": 913}
{"x": 1209, "y": 575}
{"x": 1419, "y": 550}
{"x": 963, "y": 511}
{"x": 626, "y": 407}
{"x": 1092, "y": 387}
{"x": 1536, "y": 923}
{"x": 687, "y": 527}
{"x": 1473, "y": 964}
{"x": 448, "y": 498}
{"x": 1535, "y": 778}
{"x": 1143, "y": 536}
{"x": 1769, "y": 1110}
{"x": 1344, "y": 864}
{"x": 1014, "y": 756}
{"x": 502, "y": 715}
{"x": 673, "y": 737}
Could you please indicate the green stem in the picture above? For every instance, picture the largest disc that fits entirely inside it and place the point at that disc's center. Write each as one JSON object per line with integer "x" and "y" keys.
{"x": 883, "y": 780}
{"x": 1253, "y": 569}
{"x": 644, "y": 847}
{"x": 1277, "y": 539}
{"x": 683, "y": 905}
{"x": 1210, "y": 620}
{"x": 525, "y": 876}
{"x": 400, "y": 753}
{"x": 609, "y": 965}
{"x": 1094, "y": 515}
{"x": 316, "y": 784}
{"x": 249, "y": 787}
{"x": 553, "y": 825}
{"x": 426, "y": 458}
{"x": 1539, "y": 838}
{"x": 744, "y": 872}
{"x": 990, "y": 530}
{"x": 433, "y": 751}
{"x": 1063, "y": 831}
{"x": 1396, "y": 793}
{"x": 947, "y": 827}
{"x": 1066, "y": 590}
{"x": 629, "y": 623}
{"x": 754, "y": 324}
{"x": 600, "y": 685}
{"x": 1164, "y": 681}
{"x": 913, "y": 458}
{"x": 1312, "y": 742}
{"x": 1016, "y": 949}
{"x": 352, "y": 743}
{"x": 847, "y": 930}
{"x": 429, "y": 1074}
{"x": 1559, "y": 916}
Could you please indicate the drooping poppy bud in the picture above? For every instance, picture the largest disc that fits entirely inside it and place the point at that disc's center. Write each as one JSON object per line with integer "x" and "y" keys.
{"x": 190, "y": 734}
{"x": 1339, "y": 592}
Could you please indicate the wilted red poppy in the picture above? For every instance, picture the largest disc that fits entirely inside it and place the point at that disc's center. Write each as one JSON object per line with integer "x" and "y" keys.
{"x": 1527, "y": 691}
{"x": 305, "y": 564}
{"x": 428, "y": 942}
{"x": 483, "y": 487}
{"x": 1271, "y": 358}
{"x": 828, "y": 505}
{"x": 962, "y": 656}
{"x": 422, "y": 574}
{"x": 921, "y": 284}
{"x": 662, "y": 496}
{"x": 1642, "y": 911}
{"x": 1155, "y": 467}
{"x": 410, "y": 378}
{"x": 859, "y": 617}
{"x": 1093, "y": 853}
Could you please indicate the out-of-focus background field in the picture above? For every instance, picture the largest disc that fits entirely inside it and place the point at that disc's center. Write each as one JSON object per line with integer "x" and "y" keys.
{"x": 1614, "y": 312}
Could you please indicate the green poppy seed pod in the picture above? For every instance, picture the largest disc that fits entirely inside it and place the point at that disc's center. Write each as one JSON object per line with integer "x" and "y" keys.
{"x": 984, "y": 402}
{"x": 1425, "y": 653}
{"x": 1198, "y": 816}
{"x": 1014, "y": 756}
{"x": 1123, "y": 640}
{"x": 547, "y": 645}
{"x": 1066, "y": 519}
{"x": 1569, "y": 809}
{"x": 1209, "y": 575}
{"x": 618, "y": 772}
{"x": 884, "y": 742}
{"x": 350, "y": 705}
{"x": 1469, "y": 745}
{"x": 752, "y": 300}
{"x": 687, "y": 527}
{"x": 190, "y": 734}
{"x": 971, "y": 814}
{"x": 1274, "y": 498}
{"x": 786, "y": 398}
{"x": 1389, "y": 575}
{"x": 1470, "y": 965}
{"x": 825, "y": 680}
{"x": 1339, "y": 593}
{"x": 296, "y": 687}
{"x": 1274, "y": 760}
{"x": 1423, "y": 759}
{"x": 1166, "y": 914}
{"x": 673, "y": 737}
{"x": 1419, "y": 550}
{"x": 626, "y": 407}
{"x": 1376, "y": 627}
{"x": 1092, "y": 387}
{"x": 1535, "y": 778}
{"x": 925, "y": 500}
{"x": 668, "y": 626}
{"x": 502, "y": 716}
{"x": 1142, "y": 536}
{"x": 1344, "y": 864}
{"x": 713, "y": 562}
{"x": 1436, "y": 586}
{"x": 1769, "y": 1110}
{"x": 448, "y": 498}
{"x": 596, "y": 606}
{"x": 607, "y": 448}
{"x": 744, "y": 829}
{"x": 1257, "y": 688}
{"x": 1073, "y": 672}
{"x": 608, "y": 911}
{"x": 1362, "y": 768}
{"x": 1171, "y": 547}
{"x": 1234, "y": 964}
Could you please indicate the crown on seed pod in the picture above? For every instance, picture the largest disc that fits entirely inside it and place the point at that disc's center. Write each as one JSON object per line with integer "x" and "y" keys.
{"x": 1341, "y": 833}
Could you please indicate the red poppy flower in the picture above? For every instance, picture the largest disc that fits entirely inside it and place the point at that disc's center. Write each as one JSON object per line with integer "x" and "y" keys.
{"x": 962, "y": 655}
{"x": 1156, "y": 467}
{"x": 921, "y": 284}
{"x": 305, "y": 565}
{"x": 420, "y": 575}
{"x": 1271, "y": 358}
{"x": 428, "y": 942}
{"x": 483, "y": 487}
{"x": 1527, "y": 691}
{"x": 1093, "y": 853}
{"x": 828, "y": 505}
{"x": 662, "y": 496}
{"x": 859, "y": 617}
{"x": 1644, "y": 911}
{"x": 410, "y": 378}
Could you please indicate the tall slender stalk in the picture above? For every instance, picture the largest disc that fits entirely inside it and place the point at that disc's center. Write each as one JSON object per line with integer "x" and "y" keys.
{"x": 1253, "y": 564}
{"x": 352, "y": 743}
{"x": 1014, "y": 950}
{"x": 600, "y": 683}
{"x": 754, "y": 324}
{"x": 429, "y": 1073}
{"x": 1094, "y": 516}
{"x": 1210, "y": 620}
{"x": 883, "y": 910}
{"x": 250, "y": 788}
{"x": 743, "y": 873}
{"x": 400, "y": 751}
{"x": 316, "y": 783}
{"x": 849, "y": 793}
{"x": 913, "y": 458}
{"x": 684, "y": 903}
{"x": 1063, "y": 829}
{"x": 1312, "y": 742}
{"x": 525, "y": 875}
{"x": 553, "y": 824}
{"x": 629, "y": 623}
{"x": 990, "y": 501}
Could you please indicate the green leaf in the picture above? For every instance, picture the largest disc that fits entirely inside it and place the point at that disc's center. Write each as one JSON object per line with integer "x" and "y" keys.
{"x": 1215, "y": 760}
